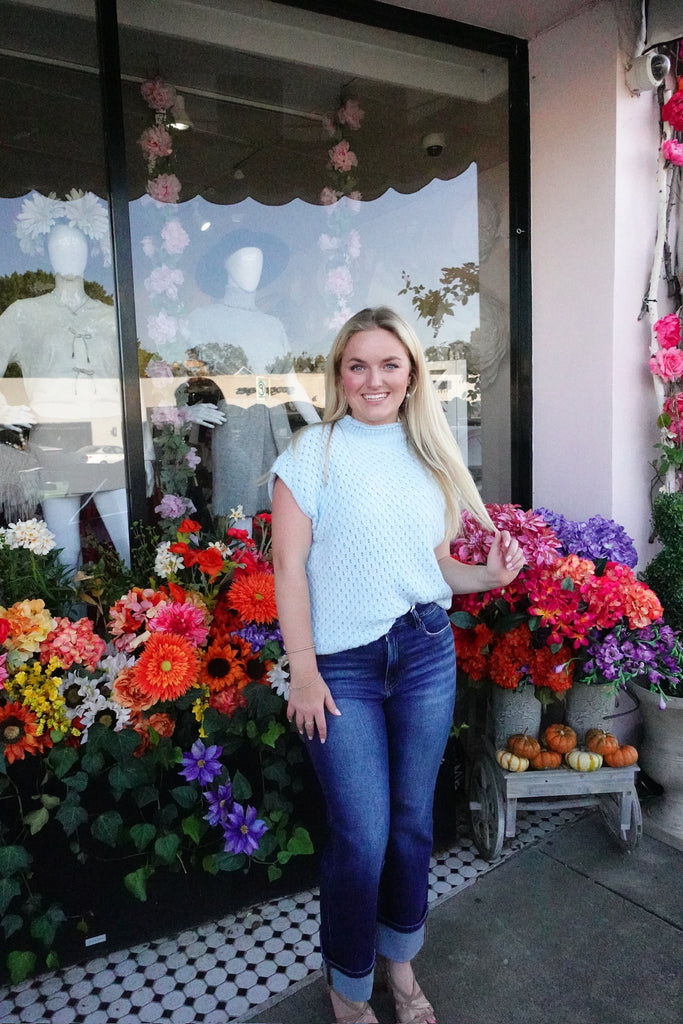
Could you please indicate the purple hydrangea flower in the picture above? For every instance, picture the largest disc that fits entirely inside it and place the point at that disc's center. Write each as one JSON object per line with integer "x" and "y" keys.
{"x": 173, "y": 506}
{"x": 257, "y": 636}
{"x": 220, "y": 804}
{"x": 593, "y": 538}
{"x": 202, "y": 763}
{"x": 243, "y": 830}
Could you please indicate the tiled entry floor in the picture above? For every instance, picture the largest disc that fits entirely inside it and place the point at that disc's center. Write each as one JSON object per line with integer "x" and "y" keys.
{"x": 220, "y": 971}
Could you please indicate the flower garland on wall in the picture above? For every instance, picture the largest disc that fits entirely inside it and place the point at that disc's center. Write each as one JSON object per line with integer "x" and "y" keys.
{"x": 341, "y": 244}
{"x": 666, "y": 349}
{"x": 157, "y": 141}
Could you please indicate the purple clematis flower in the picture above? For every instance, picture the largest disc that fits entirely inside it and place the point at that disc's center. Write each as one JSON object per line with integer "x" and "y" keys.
{"x": 202, "y": 763}
{"x": 243, "y": 830}
{"x": 220, "y": 804}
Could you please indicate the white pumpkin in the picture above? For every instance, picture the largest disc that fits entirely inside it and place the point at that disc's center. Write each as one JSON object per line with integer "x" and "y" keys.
{"x": 511, "y": 762}
{"x": 583, "y": 760}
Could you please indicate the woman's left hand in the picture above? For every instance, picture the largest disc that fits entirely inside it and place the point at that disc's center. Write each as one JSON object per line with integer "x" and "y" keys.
{"x": 505, "y": 560}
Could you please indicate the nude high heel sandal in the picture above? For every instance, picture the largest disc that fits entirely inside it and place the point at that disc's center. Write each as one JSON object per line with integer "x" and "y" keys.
{"x": 411, "y": 1007}
{"x": 348, "y": 1012}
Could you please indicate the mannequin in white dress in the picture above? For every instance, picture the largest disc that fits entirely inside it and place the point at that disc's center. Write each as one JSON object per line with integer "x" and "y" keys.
{"x": 255, "y": 430}
{"x": 66, "y": 345}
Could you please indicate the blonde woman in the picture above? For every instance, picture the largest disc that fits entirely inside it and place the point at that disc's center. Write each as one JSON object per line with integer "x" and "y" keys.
{"x": 364, "y": 507}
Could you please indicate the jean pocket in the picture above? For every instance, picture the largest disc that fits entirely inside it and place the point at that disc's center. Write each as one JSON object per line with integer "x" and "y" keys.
{"x": 433, "y": 619}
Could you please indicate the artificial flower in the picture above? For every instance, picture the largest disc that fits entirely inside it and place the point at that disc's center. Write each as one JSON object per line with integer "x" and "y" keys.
{"x": 243, "y": 830}
{"x": 156, "y": 142}
{"x": 73, "y": 642}
{"x": 173, "y": 506}
{"x": 167, "y": 667}
{"x": 19, "y": 733}
{"x": 165, "y": 281}
{"x": 253, "y": 597}
{"x": 278, "y": 677}
{"x": 162, "y": 329}
{"x": 202, "y": 763}
{"x": 127, "y": 691}
{"x": 165, "y": 188}
{"x": 182, "y": 619}
{"x": 668, "y": 331}
{"x": 175, "y": 237}
{"x": 672, "y": 111}
{"x": 667, "y": 364}
{"x": 351, "y": 115}
{"x": 342, "y": 156}
{"x": 159, "y": 95}
{"x": 227, "y": 701}
{"x": 31, "y": 534}
{"x": 673, "y": 152}
{"x": 223, "y": 665}
{"x": 220, "y": 804}
{"x": 29, "y": 624}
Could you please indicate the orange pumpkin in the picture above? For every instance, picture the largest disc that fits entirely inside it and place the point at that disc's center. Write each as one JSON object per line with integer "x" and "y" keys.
{"x": 524, "y": 745}
{"x": 561, "y": 738}
{"x": 601, "y": 742}
{"x": 623, "y": 757}
{"x": 546, "y": 759}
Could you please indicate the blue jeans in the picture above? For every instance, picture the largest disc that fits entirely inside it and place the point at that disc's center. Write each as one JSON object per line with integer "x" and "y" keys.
{"x": 378, "y": 772}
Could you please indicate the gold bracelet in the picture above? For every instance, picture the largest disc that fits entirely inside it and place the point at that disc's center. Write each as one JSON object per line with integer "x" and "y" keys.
{"x": 306, "y": 685}
{"x": 298, "y": 649}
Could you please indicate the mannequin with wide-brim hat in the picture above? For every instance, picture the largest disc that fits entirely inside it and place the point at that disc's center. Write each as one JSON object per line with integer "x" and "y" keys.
{"x": 251, "y": 342}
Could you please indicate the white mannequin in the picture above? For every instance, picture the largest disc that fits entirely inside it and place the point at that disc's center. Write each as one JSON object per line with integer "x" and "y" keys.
{"x": 69, "y": 340}
{"x": 238, "y": 322}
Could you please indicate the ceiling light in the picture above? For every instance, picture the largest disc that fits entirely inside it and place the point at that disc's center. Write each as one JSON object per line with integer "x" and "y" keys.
{"x": 181, "y": 119}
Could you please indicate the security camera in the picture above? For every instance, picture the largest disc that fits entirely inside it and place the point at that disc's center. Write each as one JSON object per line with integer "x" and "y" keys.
{"x": 647, "y": 72}
{"x": 433, "y": 144}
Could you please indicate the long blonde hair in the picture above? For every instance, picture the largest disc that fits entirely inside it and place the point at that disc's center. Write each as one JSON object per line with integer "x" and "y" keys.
{"x": 421, "y": 414}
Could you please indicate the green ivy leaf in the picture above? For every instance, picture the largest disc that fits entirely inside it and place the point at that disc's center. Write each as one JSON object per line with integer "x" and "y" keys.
{"x": 92, "y": 761}
{"x": 9, "y": 888}
{"x": 145, "y": 795}
{"x": 70, "y": 816}
{"x": 277, "y": 772}
{"x": 21, "y": 964}
{"x": 13, "y": 859}
{"x": 268, "y": 843}
{"x": 10, "y": 924}
{"x": 52, "y": 960}
{"x": 50, "y": 802}
{"x": 166, "y": 847}
{"x": 194, "y": 827}
{"x": 168, "y": 815}
{"x": 107, "y": 827}
{"x": 44, "y": 928}
{"x": 136, "y": 882}
{"x": 77, "y": 782}
{"x": 229, "y": 861}
{"x": 274, "y": 872}
{"x": 142, "y": 834}
{"x": 270, "y": 736}
{"x": 61, "y": 759}
{"x": 271, "y": 651}
{"x": 36, "y": 820}
{"x": 185, "y": 796}
{"x": 300, "y": 842}
{"x": 567, "y": 583}
{"x": 124, "y": 777}
{"x": 241, "y": 787}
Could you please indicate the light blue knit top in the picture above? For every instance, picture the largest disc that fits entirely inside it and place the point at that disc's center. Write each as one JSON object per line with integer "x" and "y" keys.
{"x": 377, "y": 515}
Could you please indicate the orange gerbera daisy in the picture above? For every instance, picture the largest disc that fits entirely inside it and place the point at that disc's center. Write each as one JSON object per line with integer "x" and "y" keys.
{"x": 168, "y": 666}
{"x": 253, "y": 596}
{"x": 19, "y": 733}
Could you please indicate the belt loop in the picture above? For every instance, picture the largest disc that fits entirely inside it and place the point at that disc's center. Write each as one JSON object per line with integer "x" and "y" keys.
{"x": 417, "y": 621}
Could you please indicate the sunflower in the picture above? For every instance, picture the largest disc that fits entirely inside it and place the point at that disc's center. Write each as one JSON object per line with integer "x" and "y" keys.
{"x": 253, "y": 597}
{"x": 222, "y": 666}
{"x": 19, "y": 733}
{"x": 168, "y": 666}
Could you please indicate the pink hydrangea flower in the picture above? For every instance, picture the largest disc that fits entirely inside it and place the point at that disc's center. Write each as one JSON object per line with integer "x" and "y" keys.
{"x": 536, "y": 538}
{"x": 167, "y": 416}
{"x": 175, "y": 237}
{"x": 668, "y": 331}
{"x": 156, "y": 142}
{"x": 73, "y": 642}
{"x": 328, "y": 196}
{"x": 673, "y": 152}
{"x": 667, "y": 364}
{"x": 165, "y": 188}
{"x": 164, "y": 281}
{"x": 351, "y": 115}
{"x": 158, "y": 94}
{"x": 342, "y": 156}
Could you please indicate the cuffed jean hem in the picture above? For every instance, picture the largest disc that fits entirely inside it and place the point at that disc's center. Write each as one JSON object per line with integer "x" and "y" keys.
{"x": 399, "y": 946}
{"x": 392, "y": 945}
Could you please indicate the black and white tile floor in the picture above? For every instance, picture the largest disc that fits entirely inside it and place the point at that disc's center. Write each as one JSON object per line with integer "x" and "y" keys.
{"x": 221, "y": 971}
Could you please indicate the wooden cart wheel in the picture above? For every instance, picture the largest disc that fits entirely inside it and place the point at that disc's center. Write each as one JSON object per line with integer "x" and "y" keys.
{"x": 487, "y": 807}
{"x": 610, "y": 810}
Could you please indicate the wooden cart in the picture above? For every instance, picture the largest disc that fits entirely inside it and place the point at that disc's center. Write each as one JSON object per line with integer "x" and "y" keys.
{"x": 495, "y": 794}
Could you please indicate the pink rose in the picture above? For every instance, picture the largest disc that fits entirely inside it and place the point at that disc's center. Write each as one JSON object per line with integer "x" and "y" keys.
{"x": 668, "y": 331}
{"x": 672, "y": 111}
{"x": 328, "y": 196}
{"x": 156, "y": 142}
{"x": 157, "y": 94}
{"x": 342, "y": 157}
{"x": 165, "y": 188}
{"x": 350, "y": 114}
{"x": 673, "y": 407}
{"x": 667, "y": 364}
{"x": 673, "y": 152}
{"x": 175, "y": 237}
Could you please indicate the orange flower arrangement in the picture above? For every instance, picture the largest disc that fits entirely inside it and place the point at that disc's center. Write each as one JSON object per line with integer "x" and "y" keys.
{"x": 19, "y": 733}
{"x": 253, "y": 597}
{"x": 167, "y": 667}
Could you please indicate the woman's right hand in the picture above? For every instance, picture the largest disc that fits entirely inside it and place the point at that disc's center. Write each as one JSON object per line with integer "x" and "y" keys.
{"x": 307, "y": 706}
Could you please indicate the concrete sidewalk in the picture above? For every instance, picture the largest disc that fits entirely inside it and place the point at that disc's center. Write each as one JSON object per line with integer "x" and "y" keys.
{"x": 571, "y": 931}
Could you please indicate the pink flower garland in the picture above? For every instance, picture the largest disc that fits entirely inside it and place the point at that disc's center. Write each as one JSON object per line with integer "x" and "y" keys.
{"x": 157, "y": 142}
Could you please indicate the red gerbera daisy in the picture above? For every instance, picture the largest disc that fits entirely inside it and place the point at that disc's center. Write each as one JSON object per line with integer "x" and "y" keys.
{"x": 253, "y": 597}
{"x": 19, "y": 733}
{"x": 168, "y": 666}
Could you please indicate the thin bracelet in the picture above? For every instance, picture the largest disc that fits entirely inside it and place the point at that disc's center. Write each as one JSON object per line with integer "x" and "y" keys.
{"x": 306, "y": 685}
{"x": 298, "y": 649}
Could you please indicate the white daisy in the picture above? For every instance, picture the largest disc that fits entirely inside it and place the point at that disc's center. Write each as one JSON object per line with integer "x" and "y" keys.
{"x": 166, "y": 562}
{"x": 38, "y": 215}
{"x": 278, "y": 677}
{"x": 103, "y": 709}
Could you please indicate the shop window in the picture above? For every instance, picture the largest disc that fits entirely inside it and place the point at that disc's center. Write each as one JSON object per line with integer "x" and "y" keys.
{"x": 317, "y": 167}
{"x": 62, "y": 452}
